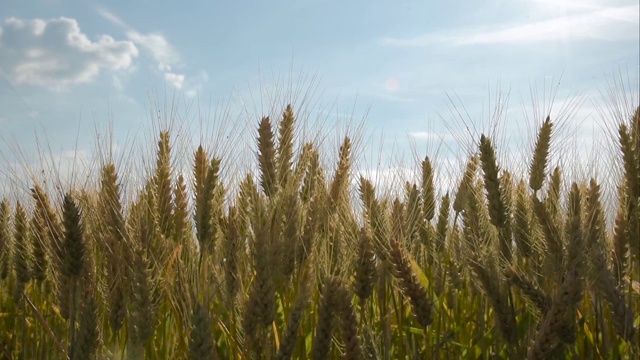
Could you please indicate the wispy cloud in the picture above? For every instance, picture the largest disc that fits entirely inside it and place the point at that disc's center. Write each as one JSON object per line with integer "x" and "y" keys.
{"x": 194, "y": 83}
{"x": 167, "y": 58}
{"x": 158, "y": 46}
{"x": 55, "y": 53}
{"x": 563, "y": 6}
{"x": 597, "y": 23}
{"x": 177, "y": 80}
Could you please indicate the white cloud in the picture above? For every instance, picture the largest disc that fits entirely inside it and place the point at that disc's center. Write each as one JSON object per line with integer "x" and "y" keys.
{"x": 563, "y": 6}
{"x": 156, "y": 45}
{"x": 192, "y": 87}
{"x": 176, "y": 80}
{"x": 159, "y": 48}
{"x": 601, "y": 23}
{"x": 55, "y": 53}
{"x": 112, "y": 18}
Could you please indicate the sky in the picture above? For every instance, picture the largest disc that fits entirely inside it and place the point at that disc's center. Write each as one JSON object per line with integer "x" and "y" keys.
{"x": 413, "y": 74}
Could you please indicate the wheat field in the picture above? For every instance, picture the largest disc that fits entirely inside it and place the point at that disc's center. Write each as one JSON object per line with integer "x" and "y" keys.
{"x": 293, "y": 262}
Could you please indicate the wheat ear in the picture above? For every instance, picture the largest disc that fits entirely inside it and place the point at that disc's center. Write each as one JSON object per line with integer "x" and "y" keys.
{"x": 428, "y": 190}
{"x": 327, "y": 309}
{"x": 163, "y": 185}
{"x": 22, "y": 253}
{"x": 6, "y": 247}
{"x": 604, "y": 278}
{"x": 540, "y": 156}
{"x": 365, "y": 266}
{"x": 421, "y": 305}
{"x": 267, "y": 158}
{"x": 285, "y": 145}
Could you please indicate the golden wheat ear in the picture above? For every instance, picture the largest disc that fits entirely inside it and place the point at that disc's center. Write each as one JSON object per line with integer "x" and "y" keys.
{"x": 22, "y": 252}
{"x": 89, "y": 337}
{"x": 558, "y": 325}
{"x": 413, "y": 213}
{"x": 290, "y": 243}
{"x": 284, "y": 159}
{"x": 328, "y": 308}
{"x": 505, "y": 234}
{"x": 115, "y": 239}
{"x": 529, "y": 288}
{"x": 143, "y": 307}
{"x": 605, "y": 280}
{"x": 231, "y": 247}
{"x": 488, "y": 277}
{"x": 553, "y": 239}
{"x": 181, "y": 223}
{"x": 6, "y": 243}
{"x": 267, "y": 158}
{"x": 523, "y": 228}
{"x": 468, "y": 178}
{"x": 42, "y": 236}
{"x": 428, "y": 190}
{"x": 348, "y": 325}
{"x": 200, "y": 169}
{"x": 481, "y": 254}
{"x": 632, "y": 186}
{"x": 421, "y": 305}
{"x": 206, "y": 209}
{"x": 442, "y": 227}
{"x": 338, "y": 187}
{"x": 539, "y": 162}
{"x": 498, "y": 210}
{"x": 163, "y": 185}
{"x": 260, "y": 307}
{"x": 312, "y": 174}
{"x": 74, "y": 258}
{"x": 365, "y": 267}
{"x": 74, "y": 247}
{"x": 620, "y": 242}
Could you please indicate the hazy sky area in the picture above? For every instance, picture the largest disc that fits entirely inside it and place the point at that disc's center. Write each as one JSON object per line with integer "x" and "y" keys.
{"x": 67, "y": 68}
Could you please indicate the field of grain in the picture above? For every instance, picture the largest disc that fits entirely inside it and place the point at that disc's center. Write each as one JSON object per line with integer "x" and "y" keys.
{"x": 287, "y": 265}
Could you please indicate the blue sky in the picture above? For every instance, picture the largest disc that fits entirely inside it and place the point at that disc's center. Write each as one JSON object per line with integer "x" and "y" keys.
{"x": 69, "y": 67}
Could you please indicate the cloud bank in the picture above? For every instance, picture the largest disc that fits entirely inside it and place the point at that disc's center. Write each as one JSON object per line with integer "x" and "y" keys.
{"x": 614, "y": 23}
{"x": 55, "y": 53}
{"x": 156, "y": 45}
